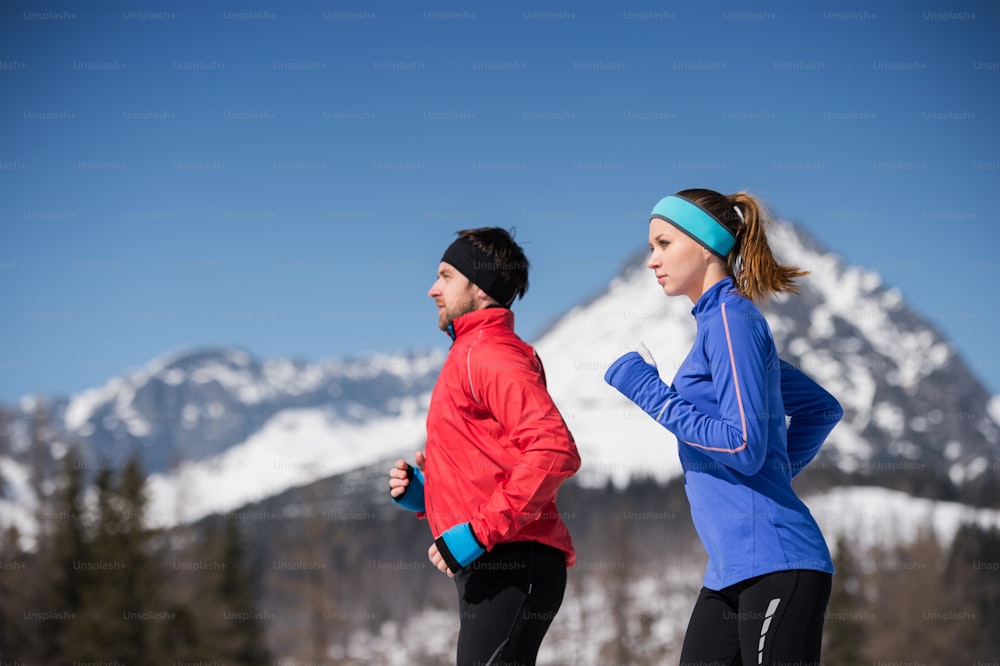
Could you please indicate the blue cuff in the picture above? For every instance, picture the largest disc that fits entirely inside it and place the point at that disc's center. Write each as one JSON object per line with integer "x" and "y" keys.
{"x": 640, "y": 382}
{"x": 628, "y": 372}
{"x": 412, "y": 498}
{"x": 612, "y": 370}
{"x": 459, "y": 546}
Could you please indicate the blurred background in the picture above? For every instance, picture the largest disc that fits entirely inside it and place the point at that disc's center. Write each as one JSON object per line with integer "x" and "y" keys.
{"x": 219, "y": 222}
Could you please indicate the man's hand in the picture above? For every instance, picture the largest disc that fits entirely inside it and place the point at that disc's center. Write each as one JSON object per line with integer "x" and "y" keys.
{"x": 406, "y": 484}
{"x": 438, "y": 561}
{"x": 399, "y": 475}
{"x": 399, "y": 478}
{"x": 456, "y": 548}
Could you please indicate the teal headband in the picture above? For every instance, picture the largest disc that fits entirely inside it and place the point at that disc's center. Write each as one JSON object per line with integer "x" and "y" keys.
{"x": 696, "y": 222}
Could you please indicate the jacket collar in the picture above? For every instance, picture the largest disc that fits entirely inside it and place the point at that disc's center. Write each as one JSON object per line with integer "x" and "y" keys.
{"x": 487, "y": 317}
{"x": 714, "y": 296}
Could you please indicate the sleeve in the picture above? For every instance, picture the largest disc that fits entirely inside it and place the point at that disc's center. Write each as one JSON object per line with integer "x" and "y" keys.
{"x": 512, "y": 388}
{"x": 737, "y": 350}
{"x": 459, "y": 546}
{"x": 412, "y": 498}
{"x": 813, "y": 414}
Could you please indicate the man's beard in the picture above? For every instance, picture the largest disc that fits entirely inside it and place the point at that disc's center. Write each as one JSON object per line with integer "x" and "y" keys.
{"x": 448, "y": 315}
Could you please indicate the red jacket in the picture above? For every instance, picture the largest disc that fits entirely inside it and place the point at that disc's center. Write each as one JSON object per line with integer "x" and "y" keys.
{"x": 497, "y": 446}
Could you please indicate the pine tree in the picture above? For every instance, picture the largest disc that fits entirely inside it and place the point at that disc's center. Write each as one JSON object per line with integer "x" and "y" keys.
{"x": 616, "y": 580}
{"x": 186, "y": 583}
{"x": 122, "y": 611}
{"x": 973, "y": 573}
{"x": 14, "y": 639}
{"x": 847, "y": 619}
{"x": 244, "y": 643}
{"x": 141, "y": 600}
{"x": 97, "y": 633}
{"x": 315, "y": 584}
{"x": 920, "y": 616}
{"x": 63, "y": 553}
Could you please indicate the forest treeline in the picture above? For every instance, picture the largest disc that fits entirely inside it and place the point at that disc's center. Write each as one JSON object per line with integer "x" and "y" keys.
{"x": 98, "y": 585}
{"x": 291, "y": 579}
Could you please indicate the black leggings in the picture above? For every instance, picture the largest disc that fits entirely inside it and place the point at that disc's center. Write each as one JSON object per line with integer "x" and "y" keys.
{"x": 772, "y": 619}
{"x": 507, "y": 600}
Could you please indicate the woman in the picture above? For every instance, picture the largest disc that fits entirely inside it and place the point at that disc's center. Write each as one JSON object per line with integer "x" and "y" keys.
{"x": 769, "y": 570}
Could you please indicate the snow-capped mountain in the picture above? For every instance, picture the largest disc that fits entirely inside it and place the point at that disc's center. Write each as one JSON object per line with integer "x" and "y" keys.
{"x": 217, "y": 428}
{"x": 191, "y": 407}
{"x": 911, "y": 404}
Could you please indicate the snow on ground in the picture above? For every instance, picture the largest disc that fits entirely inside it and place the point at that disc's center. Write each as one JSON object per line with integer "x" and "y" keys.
{"x": 656, "y": 604}
{"x": 871, "y": 516}
{"x": 655, "y": 609}
{"x": 294, "y": 448}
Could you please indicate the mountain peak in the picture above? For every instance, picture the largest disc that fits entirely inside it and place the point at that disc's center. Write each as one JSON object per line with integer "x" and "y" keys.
{"x": 906, "y": 393}
{"x": 188, "y": 359}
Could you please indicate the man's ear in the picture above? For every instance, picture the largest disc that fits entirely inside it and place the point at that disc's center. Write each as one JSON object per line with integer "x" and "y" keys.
{"x": 483, "y": 299}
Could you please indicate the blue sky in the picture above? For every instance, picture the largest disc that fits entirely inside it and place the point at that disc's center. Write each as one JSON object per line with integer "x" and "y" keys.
{"x": 284, "y": 177}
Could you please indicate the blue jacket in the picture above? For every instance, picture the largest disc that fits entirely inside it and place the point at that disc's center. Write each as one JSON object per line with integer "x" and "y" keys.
{"x": 727, "y": 408}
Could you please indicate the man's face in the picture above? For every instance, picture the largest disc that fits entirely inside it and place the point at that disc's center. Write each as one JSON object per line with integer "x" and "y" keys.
{"x": 453, "y": 293}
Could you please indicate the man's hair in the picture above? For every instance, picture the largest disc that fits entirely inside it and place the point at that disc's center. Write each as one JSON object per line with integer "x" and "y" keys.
{"x": 507, "y": 255}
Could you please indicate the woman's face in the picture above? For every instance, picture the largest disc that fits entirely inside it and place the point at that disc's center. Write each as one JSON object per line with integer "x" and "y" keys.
{"x": 680, "y": 264}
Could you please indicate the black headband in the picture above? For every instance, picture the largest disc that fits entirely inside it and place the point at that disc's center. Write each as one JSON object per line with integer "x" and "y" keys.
{"x": 481, "y": 269}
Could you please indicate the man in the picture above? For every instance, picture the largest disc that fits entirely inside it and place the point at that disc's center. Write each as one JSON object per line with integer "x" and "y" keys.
{"x": 497, "y": 451}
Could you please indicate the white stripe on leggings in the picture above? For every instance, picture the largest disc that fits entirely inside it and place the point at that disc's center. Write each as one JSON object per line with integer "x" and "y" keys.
{"x": 771, "y": 607}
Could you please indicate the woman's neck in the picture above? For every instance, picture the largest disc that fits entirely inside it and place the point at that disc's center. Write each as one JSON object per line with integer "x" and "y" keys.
{"x": 713, "y": 273}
